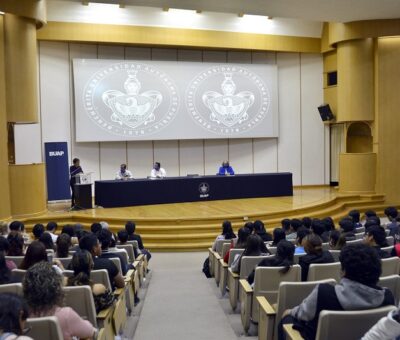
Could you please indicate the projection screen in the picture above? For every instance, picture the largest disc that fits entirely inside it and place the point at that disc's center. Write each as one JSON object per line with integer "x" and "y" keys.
{"x": 160, "y": 100}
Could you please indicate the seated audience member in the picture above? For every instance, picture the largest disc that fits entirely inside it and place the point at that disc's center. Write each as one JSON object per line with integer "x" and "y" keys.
{"x": 376, "y": 238}
{"x": 294, "y": 225}
{"x": 63, "y": 246}
{"x": 16, "y": 226}
{"x": 373, "y": 220}
{"x": 387, "y": 328}
{"x": 130, "y": 228}
{"x": 35, "y": 253}
{"x": 91, "y": 243}
{"x": 37, "y": 231}
{"x": 368, "y": 214}
{"x": 16, "y": 242}
{"x": 4, "y": 248}
{"x": 47, "y": 240}
{"x": 82, "y": 264}
{"x": 259, "y": 229}
{"x": 13, "y": 315}
{"x": 5, "y": 272}
{"x": 285, "y": 223}
{"x": 314, "y": 254}
{"x": 79, "y": 235}
{"x": 357, "y": 290}
{"x": 70, "y": 230}
{"x": 42, "y": 288}
{"x": 3, "y": 229}
{"x": 254, "y": 247}
{"x": 122, "y": 237}
{"x": 301, "y": 234}
{"x": 329, "y": 226}
{"x": 95, "y": 228}
{"x": 336, "y": 240}
{"x": 51, "y": 228}
{"x": 347, "y": 227}
{"x": 243, "y": 235}
{"x": 306, "y": 222}
{"x": 105, "y": 238}
{"x": 318, "y": 228}
{"x": 393, "y": 225}
{"x": 249, "y": 225}
{"x": 284, "y": 257}
{"x": 227, "y": 233}
{"x": 277, "y": 235}
{"x": 355, "y": 217}
{"x": 225, "y": 169}
{"x": 104, "y": 225}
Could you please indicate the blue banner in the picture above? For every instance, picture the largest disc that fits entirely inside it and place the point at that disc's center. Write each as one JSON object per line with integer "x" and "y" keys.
{"x": 57, "y": 171}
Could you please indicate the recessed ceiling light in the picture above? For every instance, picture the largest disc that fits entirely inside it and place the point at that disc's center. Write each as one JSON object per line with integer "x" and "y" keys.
{"x": 2, "y": 13}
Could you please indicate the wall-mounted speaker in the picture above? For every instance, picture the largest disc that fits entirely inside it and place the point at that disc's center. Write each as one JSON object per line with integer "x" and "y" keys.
{"x": 325, "y": 112}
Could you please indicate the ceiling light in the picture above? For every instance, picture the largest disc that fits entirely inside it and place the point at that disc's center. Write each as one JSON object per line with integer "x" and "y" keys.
{"x": 2, "y": 13}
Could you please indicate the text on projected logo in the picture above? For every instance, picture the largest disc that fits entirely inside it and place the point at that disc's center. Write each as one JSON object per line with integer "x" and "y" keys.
{"x": 228, "y": 99}
{"x": 131, "y": 99}
{"x": 204, "y": 189}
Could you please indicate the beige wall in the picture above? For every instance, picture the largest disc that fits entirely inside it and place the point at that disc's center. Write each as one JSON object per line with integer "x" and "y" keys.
{"x": 388, "y": 117}
{"x": 4, "y": 186}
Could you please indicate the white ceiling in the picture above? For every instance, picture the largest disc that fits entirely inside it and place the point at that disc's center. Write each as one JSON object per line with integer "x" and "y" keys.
{"x": 316, "y": 10}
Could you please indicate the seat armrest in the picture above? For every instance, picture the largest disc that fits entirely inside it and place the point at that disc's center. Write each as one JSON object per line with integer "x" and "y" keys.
{"x": 265, "y": 306}
{"x": 234, "y": 275}
{"x": 105, "y": 313}
{"x": 291, "y": 333}
{"x": 246, "y": 286}
{"x": 119, "y": 291}
{"x": 224, "y": 264}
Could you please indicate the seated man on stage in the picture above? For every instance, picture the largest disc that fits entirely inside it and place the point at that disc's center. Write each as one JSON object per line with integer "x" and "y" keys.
{"x": 225, "y": 169}
{"x": 158, "y": 171}
{"x": 74, "y": 170}
{"x": 123, "y": 173}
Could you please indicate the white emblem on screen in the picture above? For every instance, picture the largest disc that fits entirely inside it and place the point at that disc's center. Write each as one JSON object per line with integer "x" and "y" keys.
{"x": 131, "y": 99}
{"x": 228, "y": 99}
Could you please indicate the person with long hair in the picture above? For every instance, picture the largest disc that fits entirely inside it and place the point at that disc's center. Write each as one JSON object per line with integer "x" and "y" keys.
{"x": 47, "y": 240}
{"x": 227, "y": 233}
{"x": 243, "y": 234}
{"x": 314, "y": 254}
{"x": 254, "y": 247}
{"x": 13, "y": 315}
{"x": 284, "y": 258}
{"x": 5, "y": 247}
{"x": 42, "y": 288}
{"x": 277, "y": 235}
{"x": 5, "y": 272}
{"x": 82, "y": 265}
{"x": 336, "y": 240}
{"x": 63, "y": 244}
{"x": 16, "y": 242}
{"x": 35, "y": 253}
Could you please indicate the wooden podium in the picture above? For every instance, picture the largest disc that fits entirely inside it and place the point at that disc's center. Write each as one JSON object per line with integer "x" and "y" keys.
{"x": 83, "y": 191}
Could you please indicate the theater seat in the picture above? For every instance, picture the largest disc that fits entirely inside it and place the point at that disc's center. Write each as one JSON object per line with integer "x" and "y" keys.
{"x": 335, "y": 254}
{"x": 129, "y": 250}
{"x": 247, "y": 266}
{"x": 225, "y": 249}
{"x": 18, "y": 274}
{"x": 390, "y": 266}
{"x": 290, "y": 294}
{"x": 46, "y": 328}
{"x": 223, "y": 281}
{"x": 80, "y": 299}
{"x": 392, "y": 282}
{"x": 333, "y": 325}
{"x": 65, "y": 261}
{"x": 101, "y": 276}
{"x": 16, "y": 259}
{"x": 266, "y": 283}
{"x": 15, "y": 288}
{"x": 322, "y": 271}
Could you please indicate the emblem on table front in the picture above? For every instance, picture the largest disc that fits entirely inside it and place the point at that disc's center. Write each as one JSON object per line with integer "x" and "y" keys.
{"x": 204, "y": 189}
{"x": 228, "y": 99}
{"x": 131, "y": 99}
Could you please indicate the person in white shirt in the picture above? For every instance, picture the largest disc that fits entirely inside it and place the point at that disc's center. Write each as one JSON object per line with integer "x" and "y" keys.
{"x": 123, "y": 173}
{"x": 158, "y": 171}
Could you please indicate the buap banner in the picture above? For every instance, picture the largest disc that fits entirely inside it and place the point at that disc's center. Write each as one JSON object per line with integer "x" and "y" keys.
{"x": 57, "y": 171}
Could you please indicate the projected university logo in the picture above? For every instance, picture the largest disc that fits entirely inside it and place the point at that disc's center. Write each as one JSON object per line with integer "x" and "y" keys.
{"x": 230, "y": 111}
{"x": 115, "y": 100}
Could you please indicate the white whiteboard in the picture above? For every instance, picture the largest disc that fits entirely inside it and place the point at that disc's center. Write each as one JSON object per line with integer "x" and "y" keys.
{"x": 163, "y": 100}
{"x": 28, "y": 144}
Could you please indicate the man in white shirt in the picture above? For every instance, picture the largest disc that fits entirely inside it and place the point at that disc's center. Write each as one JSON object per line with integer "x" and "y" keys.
{"x": 123, "y": 173}
{"x": 158, "y": 171}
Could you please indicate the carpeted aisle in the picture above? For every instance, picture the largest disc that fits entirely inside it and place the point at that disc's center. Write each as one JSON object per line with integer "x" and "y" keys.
{"x": 180, "y": 303}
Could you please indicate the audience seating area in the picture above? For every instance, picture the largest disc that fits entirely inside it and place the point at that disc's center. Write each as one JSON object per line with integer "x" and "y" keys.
{"x": 109, "y": 322}
{"x": 263, "y": 302}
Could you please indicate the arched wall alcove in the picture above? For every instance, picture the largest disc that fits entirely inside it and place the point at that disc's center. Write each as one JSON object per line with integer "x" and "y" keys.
{"x": 359, "y": 138}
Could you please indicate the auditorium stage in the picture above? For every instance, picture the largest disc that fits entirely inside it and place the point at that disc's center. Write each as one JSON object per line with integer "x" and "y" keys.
{"x": 193, "y": 226}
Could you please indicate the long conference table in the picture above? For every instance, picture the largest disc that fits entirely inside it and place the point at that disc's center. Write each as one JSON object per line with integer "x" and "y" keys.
{"x": 118, "y": 193}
